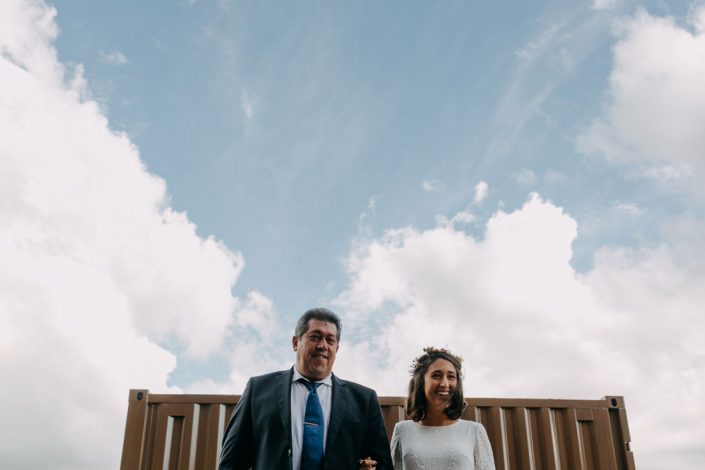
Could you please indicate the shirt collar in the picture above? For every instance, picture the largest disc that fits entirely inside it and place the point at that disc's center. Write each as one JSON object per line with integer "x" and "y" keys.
{"x": 327, "y": 381}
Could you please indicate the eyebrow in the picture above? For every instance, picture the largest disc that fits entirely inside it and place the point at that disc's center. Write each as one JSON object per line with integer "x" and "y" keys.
{"x": 320, "y": 333}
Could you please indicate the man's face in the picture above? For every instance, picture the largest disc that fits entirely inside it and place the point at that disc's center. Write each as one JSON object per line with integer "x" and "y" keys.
{"x": 315, "y": 351}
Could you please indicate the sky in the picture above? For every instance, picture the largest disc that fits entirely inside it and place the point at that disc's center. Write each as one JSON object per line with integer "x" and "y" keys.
{"x": 521, "y": 182}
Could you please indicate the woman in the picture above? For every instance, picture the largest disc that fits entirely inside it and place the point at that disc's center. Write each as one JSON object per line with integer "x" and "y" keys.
{"x": 435, "y": 437}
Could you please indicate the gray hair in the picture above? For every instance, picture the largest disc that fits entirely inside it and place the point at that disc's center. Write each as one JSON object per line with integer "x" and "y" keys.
{"x": 321, "y": 314}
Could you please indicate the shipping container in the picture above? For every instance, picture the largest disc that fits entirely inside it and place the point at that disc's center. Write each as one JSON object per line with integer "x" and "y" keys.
{"x": 184, "y": 432}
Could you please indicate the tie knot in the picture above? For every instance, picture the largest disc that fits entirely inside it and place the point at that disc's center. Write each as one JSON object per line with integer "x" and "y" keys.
{"x": 312, "y": 386}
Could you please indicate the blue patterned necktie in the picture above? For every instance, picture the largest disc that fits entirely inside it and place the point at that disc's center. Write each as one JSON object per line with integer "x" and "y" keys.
{"x": 312, "y": 448}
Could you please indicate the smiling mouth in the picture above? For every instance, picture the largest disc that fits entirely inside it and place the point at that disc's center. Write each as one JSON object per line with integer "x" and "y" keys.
{"x": 320, "y": 356}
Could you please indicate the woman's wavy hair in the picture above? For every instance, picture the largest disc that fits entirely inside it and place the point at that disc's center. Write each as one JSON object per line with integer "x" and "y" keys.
{"x": 416, "y": 400}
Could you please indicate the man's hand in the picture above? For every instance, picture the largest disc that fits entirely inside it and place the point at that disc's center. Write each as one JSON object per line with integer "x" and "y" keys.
{"x": 368, "y": 464}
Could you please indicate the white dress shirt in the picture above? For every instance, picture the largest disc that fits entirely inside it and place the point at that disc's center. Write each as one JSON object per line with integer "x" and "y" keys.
{"x": 299, "y": 395}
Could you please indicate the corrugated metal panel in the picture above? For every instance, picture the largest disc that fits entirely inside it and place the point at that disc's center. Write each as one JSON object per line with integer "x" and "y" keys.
{"x": 184, "y": 432}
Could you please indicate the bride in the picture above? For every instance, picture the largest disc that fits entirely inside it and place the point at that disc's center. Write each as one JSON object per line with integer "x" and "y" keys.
{"x": 435, "y": 437}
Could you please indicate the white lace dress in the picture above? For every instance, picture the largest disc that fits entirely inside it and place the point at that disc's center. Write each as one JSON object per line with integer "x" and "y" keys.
{"x": 462, "y": 445}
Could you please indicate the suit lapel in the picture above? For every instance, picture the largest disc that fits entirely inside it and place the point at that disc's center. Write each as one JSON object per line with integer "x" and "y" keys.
{"x": 283, "y": 395}
{"x": 337, "y": 411}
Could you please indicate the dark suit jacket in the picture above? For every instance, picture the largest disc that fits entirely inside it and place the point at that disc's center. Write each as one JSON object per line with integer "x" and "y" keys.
{"x": 259, "y": 432}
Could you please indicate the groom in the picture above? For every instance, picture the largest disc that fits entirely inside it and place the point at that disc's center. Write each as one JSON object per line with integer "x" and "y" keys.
{"x": 306, "y": 418}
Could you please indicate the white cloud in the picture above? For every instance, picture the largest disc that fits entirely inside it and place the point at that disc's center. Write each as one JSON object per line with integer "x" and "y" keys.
{"x": 605, "y": 4}
{"x": 463, "y": 217}
{"x": 257, "y": 313}
{"x": 249, "y": 351}
{"x": 96, "y": 268}
{"x": 372, "y": 202}
{"x": 248, "y": 105}
{"x": 536, "y": 48}
{"x": 696, "y": 16}
{"x": 529, "y": 325}
{"x": 525, "y": 176}
{"x": 432, "y": 186}
{"x": 663, "y": 173}
{"x": 481, "y": 190}
{"x": 562, "y": 40}
{"x": 113, "y": 58}
{"x": 656, "y": 115}
{"x": 627, "y": 208}
{"x": 364, "y": 219}
{"x": 553, "y": 177}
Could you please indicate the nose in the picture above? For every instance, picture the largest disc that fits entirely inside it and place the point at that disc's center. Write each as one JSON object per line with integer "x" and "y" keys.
{"x": 444, "y": 381}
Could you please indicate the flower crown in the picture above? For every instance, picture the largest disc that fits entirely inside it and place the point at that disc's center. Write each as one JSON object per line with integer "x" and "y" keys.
{"x": 430, "y": 350}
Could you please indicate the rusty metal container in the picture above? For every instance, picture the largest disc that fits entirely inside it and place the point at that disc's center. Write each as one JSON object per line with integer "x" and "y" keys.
{"x": 184, "y": 432}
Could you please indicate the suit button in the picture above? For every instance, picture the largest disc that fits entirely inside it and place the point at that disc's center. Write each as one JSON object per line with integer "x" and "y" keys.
{"x": 289, "y": 452}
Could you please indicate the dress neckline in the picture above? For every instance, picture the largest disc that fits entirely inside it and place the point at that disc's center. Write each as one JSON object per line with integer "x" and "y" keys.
{"x": 438, "y": 427}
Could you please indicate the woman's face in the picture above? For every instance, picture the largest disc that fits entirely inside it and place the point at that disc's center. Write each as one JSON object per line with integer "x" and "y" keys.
{"x": 440, "y": 382}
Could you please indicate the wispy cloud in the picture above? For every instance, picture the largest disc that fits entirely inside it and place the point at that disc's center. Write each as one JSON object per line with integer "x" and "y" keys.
{"x": 525, "y": 177}
{"x": 248, "y": 105}
{"x": 563, "y": 41}
{"x": 536, "y": 48}
{"x": 461, "y": 218}
{"x": 364, "y": 218}
{"x": 627, "y": 208}
{"x": 606, "y": 4}
{"x": 113, "y": 58}
{"x": 481, "y": 191}
{"x": 696, "y": 16}
{"x": 431, "y": 186}
{"x": 665, "y": 172}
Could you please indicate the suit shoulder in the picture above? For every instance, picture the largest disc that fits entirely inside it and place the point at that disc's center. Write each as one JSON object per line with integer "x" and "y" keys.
{"x": 267, "y": 377}
{"x": 357, "y": 388}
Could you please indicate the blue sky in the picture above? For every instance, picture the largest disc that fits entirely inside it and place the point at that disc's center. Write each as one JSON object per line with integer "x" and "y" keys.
{"x": 348, "y": 104}
{"x": 183, "y": 179}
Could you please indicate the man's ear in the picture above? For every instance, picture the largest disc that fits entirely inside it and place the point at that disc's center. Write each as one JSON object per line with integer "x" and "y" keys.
{"x": 295, "y": 342}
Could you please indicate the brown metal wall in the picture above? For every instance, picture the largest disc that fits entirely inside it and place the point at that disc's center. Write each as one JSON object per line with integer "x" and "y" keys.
{"x": 184, "y": 432}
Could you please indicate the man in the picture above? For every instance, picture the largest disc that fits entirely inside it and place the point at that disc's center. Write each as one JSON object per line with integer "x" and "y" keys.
{"x": 306, "y": 418}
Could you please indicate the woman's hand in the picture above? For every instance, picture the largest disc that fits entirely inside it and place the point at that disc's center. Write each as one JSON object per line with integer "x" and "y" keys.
{"x": 368, "y": 463}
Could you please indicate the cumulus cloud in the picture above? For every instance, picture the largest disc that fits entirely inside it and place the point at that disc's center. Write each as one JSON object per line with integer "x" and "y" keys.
{"x": 529, "y": 325}
{"x": 248, "y": 351}
{"x": 98, "y": 272}
{"x": 656, "y": 113}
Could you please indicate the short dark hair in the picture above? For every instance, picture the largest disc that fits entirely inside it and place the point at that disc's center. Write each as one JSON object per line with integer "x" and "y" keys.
{"x": 321, "y": 314}
{"x": 415, "y": 405}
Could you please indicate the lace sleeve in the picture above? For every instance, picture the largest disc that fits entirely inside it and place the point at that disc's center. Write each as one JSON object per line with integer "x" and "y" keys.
{"x": 396, "y": 449}
{"x": 483, "y": 450}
